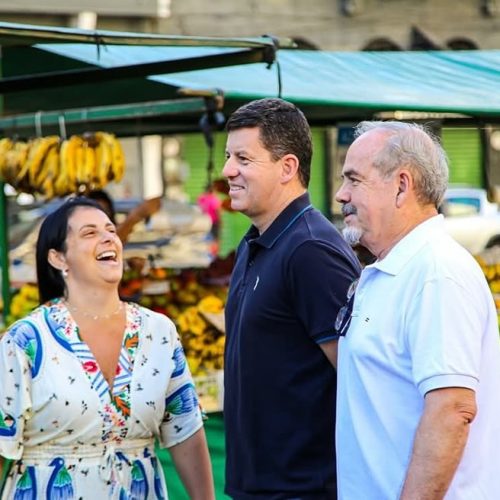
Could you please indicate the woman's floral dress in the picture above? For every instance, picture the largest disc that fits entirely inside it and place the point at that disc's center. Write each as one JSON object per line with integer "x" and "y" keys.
{"x": 70, "y": 435}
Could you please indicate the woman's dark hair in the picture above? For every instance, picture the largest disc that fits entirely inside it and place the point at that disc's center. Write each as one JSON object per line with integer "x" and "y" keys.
{"x": 53, "y": 232}
{"x": 102, "y": 197}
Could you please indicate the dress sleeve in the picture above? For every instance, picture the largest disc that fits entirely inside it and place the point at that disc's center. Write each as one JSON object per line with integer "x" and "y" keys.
{"x": 182, "y": 416}
{"x": 15, "y": 389}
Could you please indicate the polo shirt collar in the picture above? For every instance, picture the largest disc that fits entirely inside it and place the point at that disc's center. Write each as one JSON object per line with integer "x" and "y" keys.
{"x": 280, "y": 225}
{"x": 410, "y": 245}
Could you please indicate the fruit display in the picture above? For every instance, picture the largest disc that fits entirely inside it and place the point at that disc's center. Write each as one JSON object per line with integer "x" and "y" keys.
{"x": 52, "y": 166}
{"x": 196, "y": 308}
{"x": 23, "y": 302}
{"x": 489, "y": 260}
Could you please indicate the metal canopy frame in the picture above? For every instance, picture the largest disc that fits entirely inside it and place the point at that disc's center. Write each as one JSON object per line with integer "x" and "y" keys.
{"x": 25, "y": 34}
{"x": 246, "y": 51}
{"x": 264, "y": 54}
{"x": 93, "y": 118}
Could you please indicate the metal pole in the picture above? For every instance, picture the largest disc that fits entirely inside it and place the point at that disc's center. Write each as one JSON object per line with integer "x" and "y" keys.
{"x": 4, "y": 253}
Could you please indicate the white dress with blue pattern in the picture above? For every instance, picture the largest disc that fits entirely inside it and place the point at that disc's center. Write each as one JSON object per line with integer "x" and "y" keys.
{"x": 70, "y": 435}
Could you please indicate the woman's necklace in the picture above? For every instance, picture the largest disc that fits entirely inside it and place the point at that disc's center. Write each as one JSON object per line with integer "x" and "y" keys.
{"x": 95, "y": 317}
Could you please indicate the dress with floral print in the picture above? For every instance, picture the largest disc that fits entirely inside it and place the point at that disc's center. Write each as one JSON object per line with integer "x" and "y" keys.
{"x": 70, "y": 434}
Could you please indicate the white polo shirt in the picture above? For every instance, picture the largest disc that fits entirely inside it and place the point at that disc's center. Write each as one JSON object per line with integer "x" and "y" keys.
{"x": 423, "y": 318}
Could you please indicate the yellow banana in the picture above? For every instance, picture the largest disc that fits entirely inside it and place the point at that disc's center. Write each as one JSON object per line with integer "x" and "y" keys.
{"x": 47, "y": 188}
{"x": 79, "y": 159}
{"x": 66, "y": 179}
{"x": 62, "y": 184}
{"x": 103, "y": 159}
{"x": 15, "y": 160}
{"x": 86, "y": 165}
{"x": 37, "y": 155}
{"x": 47, "y": 175}
{"x": 118, "y": 158}
{"x": 6, "y": 145}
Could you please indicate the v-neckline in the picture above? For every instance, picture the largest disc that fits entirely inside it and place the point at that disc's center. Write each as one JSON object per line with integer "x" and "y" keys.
{"x": 123, "y": 369}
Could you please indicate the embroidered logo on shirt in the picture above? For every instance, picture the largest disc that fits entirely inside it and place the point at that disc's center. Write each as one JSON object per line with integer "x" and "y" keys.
{"x": 256, "y": 283}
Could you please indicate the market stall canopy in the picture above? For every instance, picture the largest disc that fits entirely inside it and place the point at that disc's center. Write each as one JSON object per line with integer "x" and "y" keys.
{"x": 333, "y": 86}
{"x": 38, "y": 79}
{"x": 329, "y": 86}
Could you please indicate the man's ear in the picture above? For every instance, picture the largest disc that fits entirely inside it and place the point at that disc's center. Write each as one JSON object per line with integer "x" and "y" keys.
{"x": 290, "y": 167}
{"x": 405, "y": 186}
{"x": 57, "y": 260}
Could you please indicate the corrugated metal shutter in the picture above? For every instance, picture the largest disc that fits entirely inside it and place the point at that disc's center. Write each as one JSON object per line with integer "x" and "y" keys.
{"x": 463, "y": 146}
{"x": 234, "y": 225}
{"x": 195, "y": 153}
{"x": 318, "y": 186}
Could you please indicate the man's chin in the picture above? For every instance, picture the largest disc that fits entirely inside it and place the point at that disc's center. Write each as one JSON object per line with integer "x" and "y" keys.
{"x": 352, "y": 235}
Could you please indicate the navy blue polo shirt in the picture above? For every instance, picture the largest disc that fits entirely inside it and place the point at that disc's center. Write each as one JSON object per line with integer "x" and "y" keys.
{"x": 279, "y": 406}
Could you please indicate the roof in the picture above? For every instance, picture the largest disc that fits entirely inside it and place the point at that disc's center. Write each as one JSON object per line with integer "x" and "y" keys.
{"x": 15, "y": 34}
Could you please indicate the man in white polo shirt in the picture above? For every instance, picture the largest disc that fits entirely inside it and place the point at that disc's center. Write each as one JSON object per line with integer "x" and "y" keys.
{"x": 418, "y": 401}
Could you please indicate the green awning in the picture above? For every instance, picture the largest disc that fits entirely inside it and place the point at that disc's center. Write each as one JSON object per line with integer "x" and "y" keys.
{"x": 330, "y": 86}
{"x": 341, "y": 85}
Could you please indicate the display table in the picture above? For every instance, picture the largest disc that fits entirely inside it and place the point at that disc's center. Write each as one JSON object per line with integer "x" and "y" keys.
{"x": 214, "y": 428}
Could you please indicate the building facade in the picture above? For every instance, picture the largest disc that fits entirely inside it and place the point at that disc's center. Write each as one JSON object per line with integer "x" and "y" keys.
{"x": 324, "y": 24}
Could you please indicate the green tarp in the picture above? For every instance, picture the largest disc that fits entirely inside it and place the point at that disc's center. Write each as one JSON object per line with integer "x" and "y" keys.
{"x": 331, "y": 85}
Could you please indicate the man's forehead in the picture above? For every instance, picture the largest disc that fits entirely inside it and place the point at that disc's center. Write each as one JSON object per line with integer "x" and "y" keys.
{"x": 243, "y": 138}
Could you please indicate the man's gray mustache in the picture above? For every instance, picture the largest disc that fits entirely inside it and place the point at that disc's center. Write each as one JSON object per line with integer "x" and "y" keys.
{"x": 348, "y": 209}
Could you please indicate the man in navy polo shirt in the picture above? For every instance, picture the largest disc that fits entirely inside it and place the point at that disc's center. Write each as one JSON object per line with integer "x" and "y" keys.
{"x": 291, "y": 276}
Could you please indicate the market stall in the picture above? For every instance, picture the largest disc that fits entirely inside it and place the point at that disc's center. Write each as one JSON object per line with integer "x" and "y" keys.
{"x": 122, "y": 83}
{"x": 60, "y": 150}
{"x": 118, "y": 99}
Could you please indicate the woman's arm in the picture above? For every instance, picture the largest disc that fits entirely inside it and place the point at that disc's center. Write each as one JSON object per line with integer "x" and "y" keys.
{"x": 192, "y": 461}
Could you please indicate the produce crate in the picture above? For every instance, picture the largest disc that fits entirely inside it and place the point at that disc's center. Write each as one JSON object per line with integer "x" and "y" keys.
{"x": 210, "y": 388}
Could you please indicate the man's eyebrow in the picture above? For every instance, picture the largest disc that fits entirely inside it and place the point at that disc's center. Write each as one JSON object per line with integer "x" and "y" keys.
{"x": 349, "y": 172}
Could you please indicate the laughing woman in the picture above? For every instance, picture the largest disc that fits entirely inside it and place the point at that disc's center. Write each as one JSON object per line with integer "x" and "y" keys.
{"x": 88, "y": 383}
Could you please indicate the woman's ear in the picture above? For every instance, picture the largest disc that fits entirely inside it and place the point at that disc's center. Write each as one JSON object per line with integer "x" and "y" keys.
{"x": 57, "y": 260}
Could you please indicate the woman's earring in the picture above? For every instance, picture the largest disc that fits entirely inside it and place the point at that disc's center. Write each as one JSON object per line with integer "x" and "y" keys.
{"x": 64, "y": 273}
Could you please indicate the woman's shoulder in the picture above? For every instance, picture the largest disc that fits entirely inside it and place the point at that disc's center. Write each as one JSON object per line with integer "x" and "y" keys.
{"x": 152, "y": 316}
{"x": 25, "y": 333}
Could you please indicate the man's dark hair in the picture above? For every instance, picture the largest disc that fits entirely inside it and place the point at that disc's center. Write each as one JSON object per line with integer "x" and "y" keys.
{"x": 283, "y": 130}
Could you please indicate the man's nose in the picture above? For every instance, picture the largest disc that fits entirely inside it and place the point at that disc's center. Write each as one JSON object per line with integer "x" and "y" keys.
{"x": 228, "y": 170}
{"x": 341, "y": 194}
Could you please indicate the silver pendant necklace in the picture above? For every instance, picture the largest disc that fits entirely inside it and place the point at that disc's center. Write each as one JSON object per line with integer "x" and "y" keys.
{"x": 94, "y": 317}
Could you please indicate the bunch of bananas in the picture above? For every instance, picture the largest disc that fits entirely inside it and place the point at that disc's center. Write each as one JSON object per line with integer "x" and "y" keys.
{"x": 54, "y": 167}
